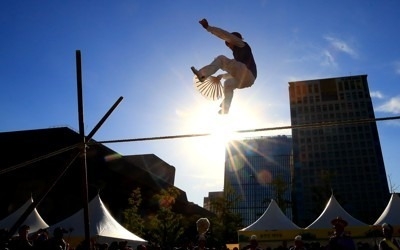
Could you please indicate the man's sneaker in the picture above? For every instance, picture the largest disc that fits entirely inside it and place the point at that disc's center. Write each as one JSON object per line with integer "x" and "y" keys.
{"x": 197, "y": 73}
{"x": 223, "y": 111}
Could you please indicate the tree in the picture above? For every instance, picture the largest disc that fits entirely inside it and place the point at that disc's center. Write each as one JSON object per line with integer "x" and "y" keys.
{"x": 134, "y": 222}
{"x": 165, "y": 227}
{"x": 322, "y": 191}
{"x": 226, "y": 223}
{"x": 392, "y": 186}
{"x": 280, "y": 189}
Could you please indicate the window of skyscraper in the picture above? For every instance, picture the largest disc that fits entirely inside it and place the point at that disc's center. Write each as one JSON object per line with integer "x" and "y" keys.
{"x": 328, "y": 90}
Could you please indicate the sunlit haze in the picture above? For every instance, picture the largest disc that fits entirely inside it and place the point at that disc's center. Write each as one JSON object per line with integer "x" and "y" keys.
{"x": 143, "y": 51}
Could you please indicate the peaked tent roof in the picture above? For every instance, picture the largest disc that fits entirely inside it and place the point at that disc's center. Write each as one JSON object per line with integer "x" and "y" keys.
{"x": 34, "y": 220}
{"x": 102, "y": 224}
{"x": 272, "y": 219}
{"x": 332, "y": 210}
{"x": 391, "y": 213}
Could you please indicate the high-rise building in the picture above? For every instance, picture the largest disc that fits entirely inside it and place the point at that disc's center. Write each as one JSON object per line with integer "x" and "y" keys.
{"x": 256, "y": 171}
{"x": 336, "y": 148}
{"x": 207, "y": 202}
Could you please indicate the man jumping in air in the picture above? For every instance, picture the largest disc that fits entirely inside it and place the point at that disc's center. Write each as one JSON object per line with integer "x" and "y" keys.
{"x": 241, "y": 71}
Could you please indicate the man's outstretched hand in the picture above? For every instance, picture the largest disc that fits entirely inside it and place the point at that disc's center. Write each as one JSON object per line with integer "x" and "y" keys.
{"x": 204, "y": 23}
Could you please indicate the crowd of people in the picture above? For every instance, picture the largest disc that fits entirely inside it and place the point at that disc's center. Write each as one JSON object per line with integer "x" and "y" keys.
{"x": 42, "y": 240}
{"x": 340, "y": 240}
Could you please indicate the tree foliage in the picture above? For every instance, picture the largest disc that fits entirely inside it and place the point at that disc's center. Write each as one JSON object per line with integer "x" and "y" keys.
{"x": 165, "y": 226}
{"x": 322, "y": 191}
{"x": 280, "y": 194}
{"x": 281, "y": 189}
{"x": 226, "y": 223}
{"x": 134, "y": 221}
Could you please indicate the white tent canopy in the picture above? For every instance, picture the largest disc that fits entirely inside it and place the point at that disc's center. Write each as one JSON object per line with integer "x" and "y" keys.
{"x": 34, "y": 220}
{"x": 391, "y": 213}
{"x": 272, "y": 219}
{"x": 102, "y": 225}
{"x": 332, "y": 210}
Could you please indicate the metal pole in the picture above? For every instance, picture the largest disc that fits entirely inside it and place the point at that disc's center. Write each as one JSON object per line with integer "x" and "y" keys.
{"x": 85, "y": 199}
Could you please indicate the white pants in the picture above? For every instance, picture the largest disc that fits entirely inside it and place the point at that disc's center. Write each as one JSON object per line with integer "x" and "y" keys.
{"x": 238, "y": 76}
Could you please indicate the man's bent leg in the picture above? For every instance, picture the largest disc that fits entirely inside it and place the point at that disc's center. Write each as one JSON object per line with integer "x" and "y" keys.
{"x": 229, "y": 86}
{"x": 218, "y": 63}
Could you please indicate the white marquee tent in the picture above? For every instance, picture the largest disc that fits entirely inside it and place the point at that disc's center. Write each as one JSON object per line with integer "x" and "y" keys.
{"x": 272, "y": 219}
{"x": 391, "y": 213}
{"x": 332, "y": 210}
{"x": 34, "y": 220}
{"x": 103, "y": 227}
{"x": 272, "y": 226}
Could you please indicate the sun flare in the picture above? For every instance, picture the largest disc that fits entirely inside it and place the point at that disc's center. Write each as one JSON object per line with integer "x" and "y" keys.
{"x": 209, "y": 151}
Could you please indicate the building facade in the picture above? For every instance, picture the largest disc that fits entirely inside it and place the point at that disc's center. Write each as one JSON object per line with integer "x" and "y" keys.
{"x": 44, "y": 154}
{"x": 336, "y": 148}
{"x": 207, "y": 202}
{"x": 256, "y": 171}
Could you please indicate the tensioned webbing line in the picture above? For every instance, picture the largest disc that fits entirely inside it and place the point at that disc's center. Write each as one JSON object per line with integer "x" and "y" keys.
{"x": 300, "y": 126}
{"x": 26, "y": 163}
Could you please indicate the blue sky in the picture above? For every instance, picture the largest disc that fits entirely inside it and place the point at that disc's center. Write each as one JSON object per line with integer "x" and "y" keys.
{"x": 143, "y": 51}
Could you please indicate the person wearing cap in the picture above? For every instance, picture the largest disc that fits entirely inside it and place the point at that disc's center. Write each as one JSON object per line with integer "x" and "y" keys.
{"x": 388, "y": 242}
{"x": 253, "y": 244}
{"x": 22, "y": 241}
{"x": 339, "y": 239}
{"x": 57, "y": 241}
{"x": 298, "y": 243}
{"x": 241, "y": 71}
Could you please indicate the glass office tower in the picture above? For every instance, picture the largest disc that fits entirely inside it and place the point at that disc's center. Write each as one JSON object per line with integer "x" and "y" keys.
{"x": 336, "y": 148}
{"x": 258, "y": 170}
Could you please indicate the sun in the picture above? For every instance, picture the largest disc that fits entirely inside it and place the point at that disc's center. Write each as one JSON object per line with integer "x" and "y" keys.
{"x": 204, "y": 155}
{"x": 209, "y": 151}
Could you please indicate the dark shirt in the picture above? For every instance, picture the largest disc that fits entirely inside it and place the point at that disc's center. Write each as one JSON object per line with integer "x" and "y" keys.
{"x": 56, "y": 244}
{"x": 341, "y": 242}
{"x": 297, "y": 248}
{"x": 244, "y": 55}
{"x": 249, "y": 247}
{"x": 383, "y": 245}
{"x": 20, "y": 244}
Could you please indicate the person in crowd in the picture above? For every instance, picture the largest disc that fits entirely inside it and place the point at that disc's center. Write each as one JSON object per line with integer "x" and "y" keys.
{"x": 141, "y": 247}
{"x": 113, "y": 246}
{"x": 388, "y": 242}
{"x": 253, "y": 244}
{"x": 340, "y": 240}
{"x": 41, "y": 237}
{"x": 284, "y": 245}
{"x": 4, "y": 239}
{"x": 57, "y": 242}
{"x": 21, "y": 242}
{"x": 201, "y": 243}
{"x": 123, "y": 245}
{"x": 298, "y": 243}
{"x": 102, "y": 246}
{"x": 186, "y": 245}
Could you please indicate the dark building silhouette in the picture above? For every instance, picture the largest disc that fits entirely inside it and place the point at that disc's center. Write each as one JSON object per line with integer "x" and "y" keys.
{"x": 345, "y": 159}
{"x": 33, "y": 159}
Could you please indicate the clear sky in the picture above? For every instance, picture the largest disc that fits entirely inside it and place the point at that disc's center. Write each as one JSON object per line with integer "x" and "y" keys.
{"x": 143, "y": 51}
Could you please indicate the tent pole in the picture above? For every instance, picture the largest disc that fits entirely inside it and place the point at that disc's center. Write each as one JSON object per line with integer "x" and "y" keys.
{"x": 85, "y": 199}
